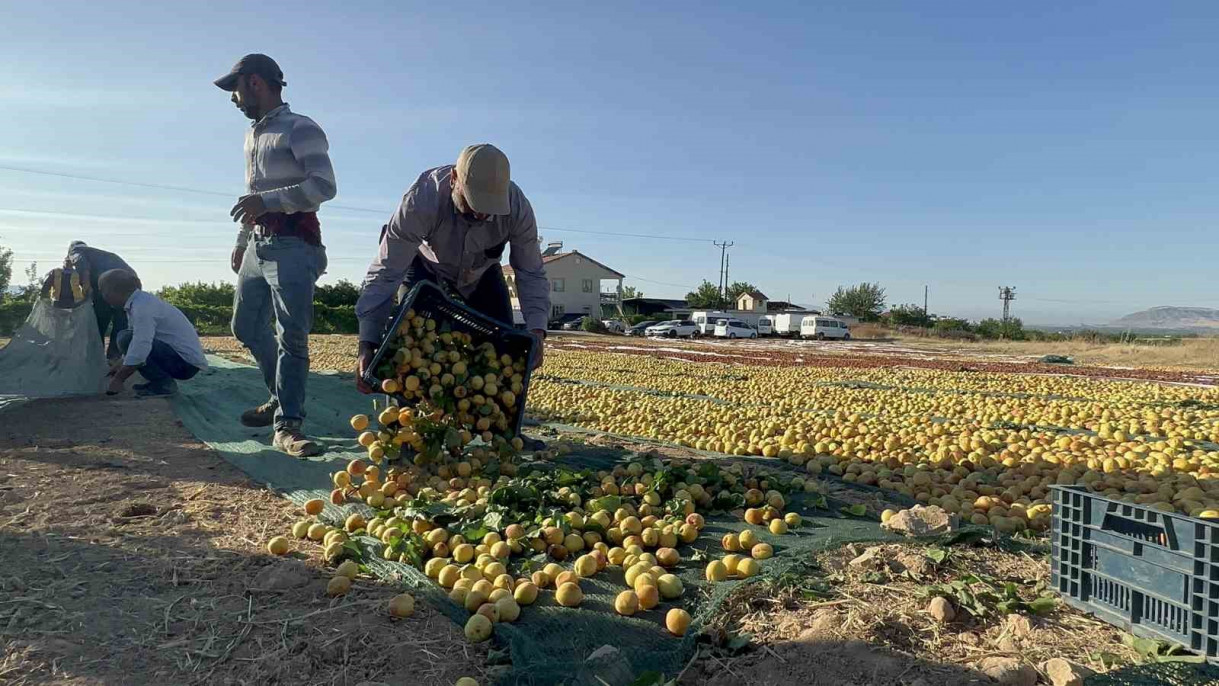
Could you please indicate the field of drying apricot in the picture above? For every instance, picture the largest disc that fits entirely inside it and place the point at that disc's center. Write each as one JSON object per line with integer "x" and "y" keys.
{"x": 980, "y": 438}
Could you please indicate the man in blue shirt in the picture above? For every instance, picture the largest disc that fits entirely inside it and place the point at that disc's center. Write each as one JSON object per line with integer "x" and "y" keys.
{"x": 91, "y": 263}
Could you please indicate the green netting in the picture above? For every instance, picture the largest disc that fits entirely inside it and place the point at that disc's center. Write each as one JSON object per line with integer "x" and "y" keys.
{"x": 548, "y": 644}
{"x": 1158, "y": 674}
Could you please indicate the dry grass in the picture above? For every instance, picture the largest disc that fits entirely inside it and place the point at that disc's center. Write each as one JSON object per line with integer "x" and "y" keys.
{"x": 1192, "y": 353}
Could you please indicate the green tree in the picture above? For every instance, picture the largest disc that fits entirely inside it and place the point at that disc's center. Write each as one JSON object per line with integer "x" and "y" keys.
{"x": 337, "y": 294}
{"x": 592, "y": 325}
{"x": 736, "y": 289}
{"x": 6, "y": 271}
{"x": 706, "y": 296}
{"x": 950, "y": 324}
{"x": 631, "y": 292}
{"x": 33, "y": 285}
{"x": 908, "y": 315}
{"x": 864, "y": 301}
{"x": 1012, "y": 329}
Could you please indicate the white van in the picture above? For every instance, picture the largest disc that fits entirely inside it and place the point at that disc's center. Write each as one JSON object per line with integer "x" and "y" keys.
{"x": 824, "y": 327}
{"x": 704, "y": 321}
{"x": 765, "y": 326}
{"x": 734, "y": 328}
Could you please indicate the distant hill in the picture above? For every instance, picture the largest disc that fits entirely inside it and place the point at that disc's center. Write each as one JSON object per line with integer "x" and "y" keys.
{"x": 1171, "y": 319}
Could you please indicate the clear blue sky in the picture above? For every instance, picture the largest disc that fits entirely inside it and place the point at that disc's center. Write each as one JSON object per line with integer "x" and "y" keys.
{"x": 1067, "y": 151}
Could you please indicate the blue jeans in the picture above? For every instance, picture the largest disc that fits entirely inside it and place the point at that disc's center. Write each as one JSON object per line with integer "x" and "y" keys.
{"x": 163, "y": 363}
{"x": 275, "y": 288}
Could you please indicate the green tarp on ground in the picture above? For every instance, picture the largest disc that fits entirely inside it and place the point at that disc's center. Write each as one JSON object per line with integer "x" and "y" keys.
{"x": 548, "y": 644}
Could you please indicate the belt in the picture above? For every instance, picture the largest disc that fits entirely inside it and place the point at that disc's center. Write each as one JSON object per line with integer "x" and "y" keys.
{"x": 303, "y": 225}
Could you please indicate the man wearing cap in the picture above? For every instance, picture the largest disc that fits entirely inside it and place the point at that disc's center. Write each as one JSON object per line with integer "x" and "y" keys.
{"x": 452, "y": 228}
{"x": 279, "y": 253}
{"x": 90, "y": 263}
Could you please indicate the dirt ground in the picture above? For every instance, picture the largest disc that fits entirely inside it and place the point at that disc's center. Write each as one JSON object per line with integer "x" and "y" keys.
{"x": 133, "y": 554}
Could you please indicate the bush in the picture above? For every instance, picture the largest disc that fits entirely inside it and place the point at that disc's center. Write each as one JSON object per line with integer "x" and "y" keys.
{"x": 341, "y": 294}
{"x": 13, "y": 314}
{"x": 592, "y": 325}
{"x": 198, "y": 293}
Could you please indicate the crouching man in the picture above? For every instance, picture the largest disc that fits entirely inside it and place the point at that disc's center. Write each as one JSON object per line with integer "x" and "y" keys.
{"x": 161, "y": 343}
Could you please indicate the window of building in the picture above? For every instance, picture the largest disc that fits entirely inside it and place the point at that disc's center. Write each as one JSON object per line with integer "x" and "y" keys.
{"x": 588, "y": 285}
{"x": 558, "y": 285}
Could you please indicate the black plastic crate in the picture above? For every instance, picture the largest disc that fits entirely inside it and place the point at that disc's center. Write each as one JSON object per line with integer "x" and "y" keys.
{"x": 428, "y": 300}
{"x": 1153, "y": 573}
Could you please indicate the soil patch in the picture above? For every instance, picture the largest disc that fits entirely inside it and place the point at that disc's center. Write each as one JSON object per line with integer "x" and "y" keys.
{"x": 134, "y": 554}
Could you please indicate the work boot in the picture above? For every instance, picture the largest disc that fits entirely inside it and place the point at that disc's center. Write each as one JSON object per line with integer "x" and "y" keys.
{"x": 294, "y": 442}
{"x": 263, "y": 415}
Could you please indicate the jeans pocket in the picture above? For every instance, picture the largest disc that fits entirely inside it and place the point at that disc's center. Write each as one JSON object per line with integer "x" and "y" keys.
{"x": 320, "y": 260}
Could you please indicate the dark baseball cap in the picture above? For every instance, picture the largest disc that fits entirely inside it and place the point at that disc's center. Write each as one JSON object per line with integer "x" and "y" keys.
{"x": 255, "y": 63}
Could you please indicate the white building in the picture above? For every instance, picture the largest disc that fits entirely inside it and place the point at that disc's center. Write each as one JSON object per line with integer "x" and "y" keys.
{"x": 575, "y": 283}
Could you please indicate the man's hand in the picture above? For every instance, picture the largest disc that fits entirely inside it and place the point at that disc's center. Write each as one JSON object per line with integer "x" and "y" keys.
{"x": 235, "y": 260}
{"x": 363, "y": 360}
{"x": 541, "y": 347}
{"x": 116, "y": 385}
{"x": 248, "y": 208}
{"x": 115, "y": 363}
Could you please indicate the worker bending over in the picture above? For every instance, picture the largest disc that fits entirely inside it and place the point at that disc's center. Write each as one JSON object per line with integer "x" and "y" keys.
{"x": 161, "y": 343}
{"x": 90, "y": 263}
{"x": 451, "y": 229}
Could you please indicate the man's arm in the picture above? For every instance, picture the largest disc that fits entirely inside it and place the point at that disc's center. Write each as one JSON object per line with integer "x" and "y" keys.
{"x": 143, "y": 327}
{"x": 312, "y": 152}
{"x": 399, "y": 244}
{"x": 400, "y": 241}
{"x": 532, "y": 287}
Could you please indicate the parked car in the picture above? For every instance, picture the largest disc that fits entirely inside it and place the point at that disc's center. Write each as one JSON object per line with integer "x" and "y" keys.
{"x": 674, "y": 328}
{"x": 613, "y": 325}
{"x": 561, "y": 322}
{"x": 822, "y": 328}
{"x": 765, "y": 326}
{"x": 638, "y": 329}
{"x": 734, "y": 328}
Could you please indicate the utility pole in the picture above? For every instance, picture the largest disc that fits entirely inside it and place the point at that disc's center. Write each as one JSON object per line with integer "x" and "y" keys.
{"x": 1007, "y": 294}
{"x": 724, "y": 296}
{"x": 723, "y": 246}
{"x": 925, "y": 314}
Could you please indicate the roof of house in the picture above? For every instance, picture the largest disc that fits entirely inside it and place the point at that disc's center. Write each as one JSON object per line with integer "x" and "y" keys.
{"x": 554, "y": 258}
{"x": 755, "y": 294}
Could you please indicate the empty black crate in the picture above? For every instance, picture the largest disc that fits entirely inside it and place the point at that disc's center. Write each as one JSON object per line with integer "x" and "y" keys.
{"x": 427, "y": 300}
{"x": 1153, "y": 573}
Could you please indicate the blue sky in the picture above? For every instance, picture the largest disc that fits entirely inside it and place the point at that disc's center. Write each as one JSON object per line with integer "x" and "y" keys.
{"x": 1068, "y": 151}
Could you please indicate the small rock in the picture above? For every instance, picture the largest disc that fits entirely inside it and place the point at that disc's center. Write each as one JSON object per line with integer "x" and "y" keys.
{"x": 1008, "y": 671}
{"x": 602, "y": 652}
{"x": 868, "y": 558}
{"x": 1007, "y": 644}
{"x": 1018, "y": 625}
{"x": 281, "y": 576}
{"x": 922, "y": 520}
{"x": 1064, "y": 672}
{"x": 941, "y": 610}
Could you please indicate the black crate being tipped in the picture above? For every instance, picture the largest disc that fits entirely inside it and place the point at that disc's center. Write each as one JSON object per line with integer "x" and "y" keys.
{"x": 427, "y": 300}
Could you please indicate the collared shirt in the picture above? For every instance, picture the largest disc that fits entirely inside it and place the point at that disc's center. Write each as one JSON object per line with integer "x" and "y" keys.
{"x": 152, "y": 319}
{"x": 427, "y": 223}
{"x": 287, "y": 162}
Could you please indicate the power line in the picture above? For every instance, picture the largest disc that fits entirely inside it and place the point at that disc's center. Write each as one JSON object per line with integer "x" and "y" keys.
{"x": 199, "y": 191}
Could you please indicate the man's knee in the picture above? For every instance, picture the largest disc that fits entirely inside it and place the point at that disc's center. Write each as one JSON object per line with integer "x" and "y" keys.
{"x": 123, "y": 339}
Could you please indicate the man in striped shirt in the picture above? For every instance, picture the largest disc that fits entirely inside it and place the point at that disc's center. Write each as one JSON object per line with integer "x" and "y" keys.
{"x": 279, "y": 253}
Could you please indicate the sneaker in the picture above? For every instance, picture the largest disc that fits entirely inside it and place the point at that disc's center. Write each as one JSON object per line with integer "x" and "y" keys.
{"x": 294, "y": 442}
{"x": 156, "y": 391}
{"x": 140, "y": 386}
{"x": 263, "y": 415}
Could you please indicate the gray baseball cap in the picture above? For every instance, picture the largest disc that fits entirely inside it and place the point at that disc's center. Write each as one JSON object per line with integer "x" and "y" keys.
{"x": 254, "y": 63}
